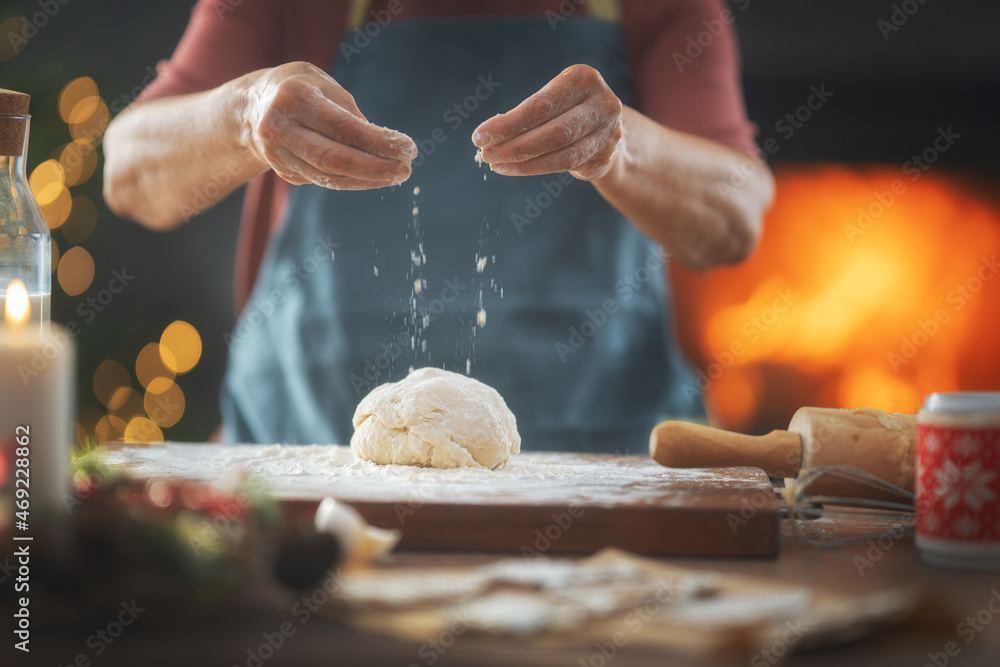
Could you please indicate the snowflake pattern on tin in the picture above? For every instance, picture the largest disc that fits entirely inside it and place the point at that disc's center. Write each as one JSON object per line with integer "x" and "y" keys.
{"x": 932, "y": 521}
{"x": 932, "y": 442}
{"x": 968, "y": 445}
{"x": 966, "y": 526}
{"x": 958, "y": 482}
{"x": 976, "y": 489}
{"x": 946, "y": 481}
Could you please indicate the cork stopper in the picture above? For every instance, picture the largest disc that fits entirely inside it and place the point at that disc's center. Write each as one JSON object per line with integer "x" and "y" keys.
{"x": 12, "y": 130}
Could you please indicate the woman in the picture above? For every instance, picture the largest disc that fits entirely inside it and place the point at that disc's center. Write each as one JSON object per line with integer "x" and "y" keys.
{"x": 608, "y": 140}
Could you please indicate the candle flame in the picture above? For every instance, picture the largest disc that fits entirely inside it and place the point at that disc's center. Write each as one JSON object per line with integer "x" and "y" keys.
{"x": 17, "y": 308}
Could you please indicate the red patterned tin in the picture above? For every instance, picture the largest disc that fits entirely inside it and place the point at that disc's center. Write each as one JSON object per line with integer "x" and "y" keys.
{"x": 958, "y": 480}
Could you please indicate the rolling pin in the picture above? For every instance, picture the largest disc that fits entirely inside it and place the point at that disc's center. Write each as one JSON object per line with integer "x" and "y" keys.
{"x": 881, "y": 443}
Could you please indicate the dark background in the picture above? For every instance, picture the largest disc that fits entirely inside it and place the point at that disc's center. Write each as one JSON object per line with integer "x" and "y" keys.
{"x": 942, "y": 67}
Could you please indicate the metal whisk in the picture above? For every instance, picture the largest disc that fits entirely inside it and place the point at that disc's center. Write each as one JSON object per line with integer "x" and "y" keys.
{"x": 850, "y": 514}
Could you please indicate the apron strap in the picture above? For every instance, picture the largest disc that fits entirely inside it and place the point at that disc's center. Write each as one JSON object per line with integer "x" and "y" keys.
{"x": 609, "y": 10}
{"x": 357, "y": 10}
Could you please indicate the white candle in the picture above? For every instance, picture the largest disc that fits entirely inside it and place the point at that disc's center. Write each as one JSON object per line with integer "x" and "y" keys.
{"x": 37, "y": 385}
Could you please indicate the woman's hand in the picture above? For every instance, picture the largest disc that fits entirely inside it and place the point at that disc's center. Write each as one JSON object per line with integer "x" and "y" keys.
{"x": 573, "y": 124}
{"x": 302, "y": 124}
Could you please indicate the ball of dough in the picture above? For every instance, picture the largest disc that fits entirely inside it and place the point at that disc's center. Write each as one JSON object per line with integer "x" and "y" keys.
{"x": 435, "y": 418}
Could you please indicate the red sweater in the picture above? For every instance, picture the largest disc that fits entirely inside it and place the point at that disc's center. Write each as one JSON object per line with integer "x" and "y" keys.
{"x": 682, "y": 54}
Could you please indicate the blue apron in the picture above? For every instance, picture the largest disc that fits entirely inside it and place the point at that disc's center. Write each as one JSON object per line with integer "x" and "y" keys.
{"x": 356, "y": 288}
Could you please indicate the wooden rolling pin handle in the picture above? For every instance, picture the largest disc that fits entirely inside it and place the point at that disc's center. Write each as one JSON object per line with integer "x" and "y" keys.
{"x": 684, "y": 445}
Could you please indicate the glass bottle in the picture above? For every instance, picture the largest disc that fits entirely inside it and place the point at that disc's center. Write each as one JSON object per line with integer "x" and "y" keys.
{"x": 25, "y": 241}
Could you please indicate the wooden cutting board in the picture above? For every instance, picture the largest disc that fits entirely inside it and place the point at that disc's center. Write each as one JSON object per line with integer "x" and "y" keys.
{"x": 541, "y": 503}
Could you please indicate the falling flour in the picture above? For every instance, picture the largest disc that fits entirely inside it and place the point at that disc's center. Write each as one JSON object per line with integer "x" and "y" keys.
{"x": 418, "y": 282}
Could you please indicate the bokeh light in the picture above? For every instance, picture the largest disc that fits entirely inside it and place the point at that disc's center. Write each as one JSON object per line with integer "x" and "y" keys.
{"x": 183, "y": 343}
{"x": 149, "y": 364}
{"x": 76, "y": 270}
{"x": 159, "y": 493}
{"x": 48, "y": 184}
{"x": 78, "y": 100}
{"x": 110, "y": 429}
{"x": 56, "y": 210}
{"x": 142, "y": 430}
{"x": 78, "y": 159}
{"x": 92, "y": 127}
{"x": 107, "y": 378}
{"x": 125, "y": 403}
{"x": 164, "y": 402}
{"x": 43, "y": 176}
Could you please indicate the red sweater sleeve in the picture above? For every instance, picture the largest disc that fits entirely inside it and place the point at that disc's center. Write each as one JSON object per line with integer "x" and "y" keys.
{"x": 697, "y": 93}
{"x": 225, "y": 40}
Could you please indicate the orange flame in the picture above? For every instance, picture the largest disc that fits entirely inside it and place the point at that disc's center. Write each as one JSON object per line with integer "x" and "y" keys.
{"x": 870, "y": 288}
{"x": 17, "y": 307}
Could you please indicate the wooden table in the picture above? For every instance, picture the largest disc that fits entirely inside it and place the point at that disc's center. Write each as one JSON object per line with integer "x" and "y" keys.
{"x": 171, "y": 638}
{"x": 158, "y": 639}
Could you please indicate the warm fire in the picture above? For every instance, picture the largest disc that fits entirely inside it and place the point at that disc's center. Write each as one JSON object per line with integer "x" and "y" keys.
{"x": 871, "y": 288}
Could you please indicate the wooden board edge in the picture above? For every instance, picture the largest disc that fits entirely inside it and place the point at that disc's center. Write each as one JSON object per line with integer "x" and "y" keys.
{"x": 544, "y": 529}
